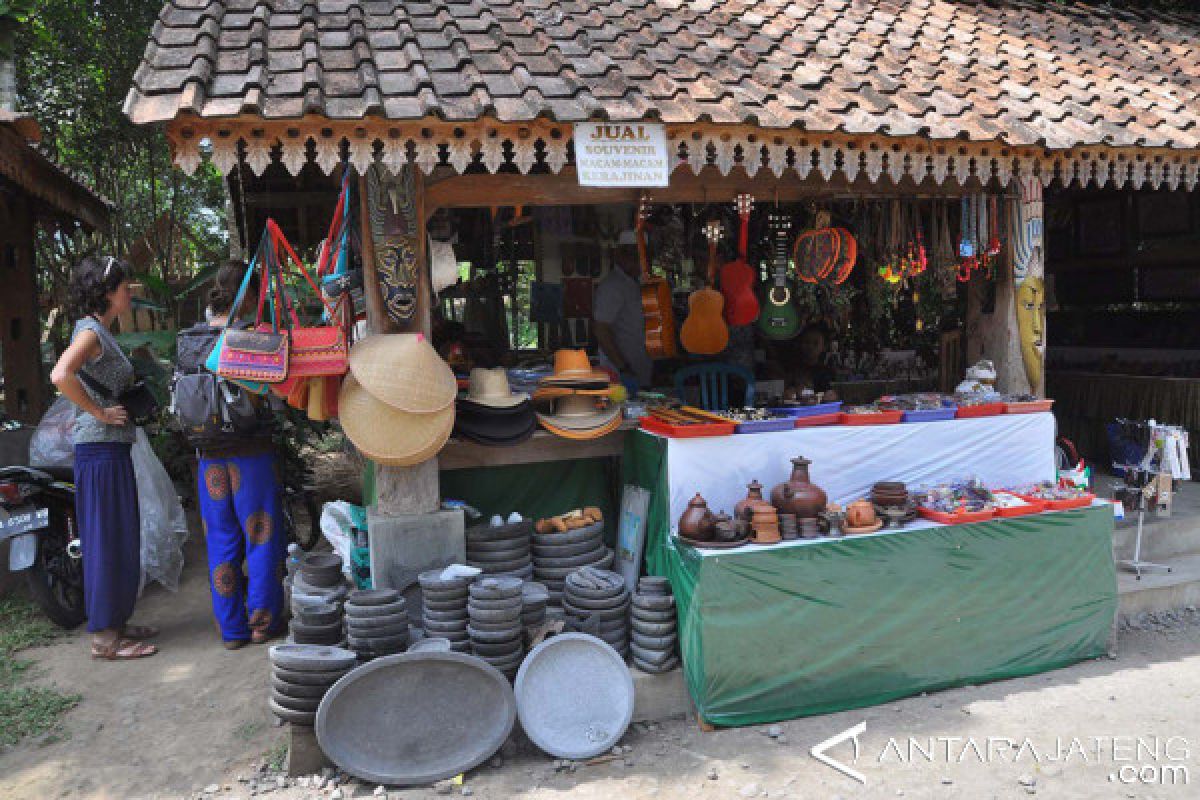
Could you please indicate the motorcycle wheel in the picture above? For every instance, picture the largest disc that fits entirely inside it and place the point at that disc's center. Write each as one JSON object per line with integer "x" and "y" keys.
{"x": 55, "y": 579}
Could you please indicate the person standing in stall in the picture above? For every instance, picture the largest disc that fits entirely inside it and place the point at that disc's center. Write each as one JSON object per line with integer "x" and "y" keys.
{"x": 240, "y": 495}
{"x": 106, "y": 500}
{"x": 620, "y": 325}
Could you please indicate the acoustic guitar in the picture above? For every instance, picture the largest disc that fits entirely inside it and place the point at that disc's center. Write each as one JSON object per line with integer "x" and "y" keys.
{"x": 704, "y": 331}
{"x": 737, "y": 276}
{"x": 779, "y": 319}
{"x": 656, "y": 297}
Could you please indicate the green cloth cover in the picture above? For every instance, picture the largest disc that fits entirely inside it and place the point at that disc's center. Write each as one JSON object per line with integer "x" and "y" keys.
{"x": 832, "y": 625}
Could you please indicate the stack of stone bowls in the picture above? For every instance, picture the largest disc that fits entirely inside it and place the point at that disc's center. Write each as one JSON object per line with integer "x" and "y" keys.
{"x": 318, "y": 581}
{"x": 300, "y": 676}
{"x": 534, "y": 599}
{"x": 497, "y": 635}
{"x": 655, "y": 637}
{"x": 596, "y": 601}
{"x": 444, "y": 608}
{"x": 556, "y": 555}
{"x": 376, "y": 623}
{"x": 501, "y": 549}
{"x": 317, "y": 623}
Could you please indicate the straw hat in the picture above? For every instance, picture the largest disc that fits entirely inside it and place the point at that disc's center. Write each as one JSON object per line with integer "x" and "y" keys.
{"x": 403, "y": 370}
{"x": 572, "y": 366}
{"x": 388, "y": 435}
{"x": 577, "y": 417}
{"x": 489, "y": 387}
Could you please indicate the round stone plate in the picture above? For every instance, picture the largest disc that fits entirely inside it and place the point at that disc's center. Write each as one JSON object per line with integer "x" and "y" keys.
{"x": 415, "y": 718}
{"x": 308, "y": 657}
{"x": 574, "y": 696}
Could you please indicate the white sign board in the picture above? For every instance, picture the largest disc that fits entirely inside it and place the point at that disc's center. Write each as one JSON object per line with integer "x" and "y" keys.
{"x": 621, "y": 154}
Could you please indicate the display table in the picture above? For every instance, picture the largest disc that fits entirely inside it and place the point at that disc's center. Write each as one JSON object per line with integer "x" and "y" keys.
{"x": 811, "y": 627}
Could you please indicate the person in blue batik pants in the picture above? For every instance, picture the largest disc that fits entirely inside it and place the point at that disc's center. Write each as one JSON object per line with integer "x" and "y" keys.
{"x": 240, "y": 506}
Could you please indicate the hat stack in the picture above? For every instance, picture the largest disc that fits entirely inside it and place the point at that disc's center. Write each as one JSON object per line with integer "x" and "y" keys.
{"x": 501, "y": 549}
{"x": 318, "y": 582}
{"x": 565, "y": 543}
{"x": 444, "y": 607}
{"x": 655, "y": 637}
{"x": 376, "y": 623}
{"x": 534, "y": 600}
{"x": 300, "y": 676}
{"x": 491, "y": 413}
{"x": 494, "y": 610}
{"x": 397, "y": 403}
{"x": 597, "y": 602}
{"x": 577, "y": 401}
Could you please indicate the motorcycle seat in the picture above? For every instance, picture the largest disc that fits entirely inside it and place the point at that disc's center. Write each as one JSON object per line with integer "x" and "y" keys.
{"x": 60, "y": 473}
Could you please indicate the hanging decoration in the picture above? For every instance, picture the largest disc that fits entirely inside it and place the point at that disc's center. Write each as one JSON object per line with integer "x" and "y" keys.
{"x": 904, "y": 257}
{"x": 825, "y": 254}
{"x": 979, "y": 236}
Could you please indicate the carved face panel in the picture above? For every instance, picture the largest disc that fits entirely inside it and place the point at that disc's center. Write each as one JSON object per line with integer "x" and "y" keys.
{"x": 397, "y": 269}
{"x": 1031, "y": 323}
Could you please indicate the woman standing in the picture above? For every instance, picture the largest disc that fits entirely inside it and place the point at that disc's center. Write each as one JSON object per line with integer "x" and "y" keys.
{"x": 106, "y": 504}
{"x": 239, "y": 496}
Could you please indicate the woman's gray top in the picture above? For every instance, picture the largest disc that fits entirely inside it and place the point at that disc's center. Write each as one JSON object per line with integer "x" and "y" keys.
{"x": 114, "y": 371}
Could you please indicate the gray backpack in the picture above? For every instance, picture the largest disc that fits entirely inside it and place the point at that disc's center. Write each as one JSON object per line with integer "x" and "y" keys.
{"x": 209, "y": 410}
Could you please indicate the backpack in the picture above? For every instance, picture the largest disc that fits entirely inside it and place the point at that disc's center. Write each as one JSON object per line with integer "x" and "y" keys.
{"x": 210, "y": 410}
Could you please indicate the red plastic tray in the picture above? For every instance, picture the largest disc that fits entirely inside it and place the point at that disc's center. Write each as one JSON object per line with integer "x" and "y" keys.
{"x": 955, "y": 519}
{"x": 818, "y": 419}
{"x": 878, "y": 418}
{"x": 1032, "y": 407}
{"x": 1062, "y": 505}
{"x": 984, "y": 410}
{"x": 696, "y": 431}
{"x": 1035, "y": 507}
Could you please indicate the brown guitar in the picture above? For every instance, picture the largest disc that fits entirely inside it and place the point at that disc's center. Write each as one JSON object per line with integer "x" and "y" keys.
{"x": 704, "y": 332}
{"x": 656, "y": 298}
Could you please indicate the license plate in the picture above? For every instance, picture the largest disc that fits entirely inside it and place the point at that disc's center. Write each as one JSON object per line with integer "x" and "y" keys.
{"x": 23, "y": 520}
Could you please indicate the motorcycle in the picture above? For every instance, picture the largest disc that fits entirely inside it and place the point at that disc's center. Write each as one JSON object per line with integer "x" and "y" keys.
{"x": 37, "y": 519}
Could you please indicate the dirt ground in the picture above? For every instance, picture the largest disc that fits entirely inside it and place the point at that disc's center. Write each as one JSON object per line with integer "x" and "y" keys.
{"x": 195, "y": 716}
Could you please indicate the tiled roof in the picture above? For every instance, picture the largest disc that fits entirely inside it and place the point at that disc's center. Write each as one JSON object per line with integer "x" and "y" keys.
{"x": 1022, "y": 72}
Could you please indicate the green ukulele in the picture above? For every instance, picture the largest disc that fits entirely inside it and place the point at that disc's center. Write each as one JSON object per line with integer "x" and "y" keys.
{"x": 779, "y": 319}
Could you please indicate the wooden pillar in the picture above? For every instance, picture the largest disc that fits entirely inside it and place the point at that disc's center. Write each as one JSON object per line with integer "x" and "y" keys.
{"x": 396, "y": 281}
{"x": 25, "y": 394}
{"x": 1006, "y": 323}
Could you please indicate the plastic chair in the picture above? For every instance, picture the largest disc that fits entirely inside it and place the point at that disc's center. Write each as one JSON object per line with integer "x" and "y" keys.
{"x": 714, "y": 384}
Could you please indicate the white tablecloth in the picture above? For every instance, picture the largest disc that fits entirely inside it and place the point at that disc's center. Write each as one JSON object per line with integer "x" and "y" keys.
{"x": 1007, "y": 450}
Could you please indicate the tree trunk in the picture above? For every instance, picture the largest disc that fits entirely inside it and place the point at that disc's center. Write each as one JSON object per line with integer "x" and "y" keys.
{"x": 8, "y": 67}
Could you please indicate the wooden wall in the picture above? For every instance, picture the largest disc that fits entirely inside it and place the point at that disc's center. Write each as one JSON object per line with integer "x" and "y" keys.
{"x": 25, "y": 392}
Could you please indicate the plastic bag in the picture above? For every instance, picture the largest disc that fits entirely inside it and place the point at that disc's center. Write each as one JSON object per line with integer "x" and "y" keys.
{"x": 164, "y": 525}
{"x": 51, "y": 445}
{"x": 338, "y": 521}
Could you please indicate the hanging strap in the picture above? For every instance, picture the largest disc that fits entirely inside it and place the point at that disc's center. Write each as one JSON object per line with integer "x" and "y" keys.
{"x": 281, "y": 242}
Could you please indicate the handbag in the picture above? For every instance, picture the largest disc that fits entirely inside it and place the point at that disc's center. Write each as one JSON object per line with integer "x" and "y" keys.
{"x": 138, "y": 401}
{"x": 255, "y": 354}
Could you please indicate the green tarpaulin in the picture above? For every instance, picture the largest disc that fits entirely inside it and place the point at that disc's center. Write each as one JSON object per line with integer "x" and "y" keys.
{"x": 831, "y": 625}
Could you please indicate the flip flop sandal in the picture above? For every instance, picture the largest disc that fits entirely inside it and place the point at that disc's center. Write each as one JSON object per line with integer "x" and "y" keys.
{"x": 122, "y": 650}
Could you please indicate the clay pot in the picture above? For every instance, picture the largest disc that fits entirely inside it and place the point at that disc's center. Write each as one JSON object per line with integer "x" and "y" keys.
{"x": 860, "y": 514}
{"x": 697, "y": 522}
{"x": 753, "y": 495}
{"x": 798, "y": 495}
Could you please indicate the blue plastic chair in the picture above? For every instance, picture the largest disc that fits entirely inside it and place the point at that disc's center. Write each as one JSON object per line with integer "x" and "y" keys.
{"x": 714, "y": 384}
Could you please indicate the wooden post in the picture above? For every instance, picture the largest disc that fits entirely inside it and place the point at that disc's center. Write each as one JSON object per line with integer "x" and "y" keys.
{"x": 25, "y": 396}
{"x": 1011, "y": 331}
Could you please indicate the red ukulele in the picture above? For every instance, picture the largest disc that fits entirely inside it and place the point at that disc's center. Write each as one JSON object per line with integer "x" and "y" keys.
{"x": 737, "y": 277}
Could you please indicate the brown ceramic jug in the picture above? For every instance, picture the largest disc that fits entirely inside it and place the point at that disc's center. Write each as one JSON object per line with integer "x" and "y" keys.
{"x": 697, "y": 522}
{"x": 798, "y": 495}
{"x": 753, "y": 495}
{"x": 860, "y": 514}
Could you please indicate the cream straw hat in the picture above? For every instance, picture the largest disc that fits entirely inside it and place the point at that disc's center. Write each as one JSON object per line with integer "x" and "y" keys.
{"x": 388, "y": 435}
{"x": 403, "y": 370}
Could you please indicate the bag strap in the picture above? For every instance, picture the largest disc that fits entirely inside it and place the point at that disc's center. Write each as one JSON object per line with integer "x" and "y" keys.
{"x": 282, "y": 242}
{"x": 95, "y": 385}
{"x": 241, "y": 295}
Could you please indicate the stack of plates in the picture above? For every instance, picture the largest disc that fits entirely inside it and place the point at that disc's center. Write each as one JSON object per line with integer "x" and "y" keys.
{"x": 376, "y": 623}
{"x": 655, "y": 638}
{"x": 497, "y": 635}
{"x": 300, "y": 676}
{"x": 501, "y": 549}
{"x": 556, "y": 555}
{"x": 317, "y": 623}
{"x": 596, "y": 601}
{"x": 534, "y": 599}
{"x": 444, "y": 608}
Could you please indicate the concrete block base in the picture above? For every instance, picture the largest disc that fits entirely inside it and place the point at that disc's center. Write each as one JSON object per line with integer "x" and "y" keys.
{"x": 304, "y": 754}
{"x": 659, "y": 697}
{"x": 406, "y": 545}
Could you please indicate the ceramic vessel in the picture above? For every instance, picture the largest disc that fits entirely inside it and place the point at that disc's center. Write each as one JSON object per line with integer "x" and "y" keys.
{"x": 753, "y": 495}
{"x": 860, "y": 514}
{"x": 798, "y": 495}
{"x": 697, "y": 522}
